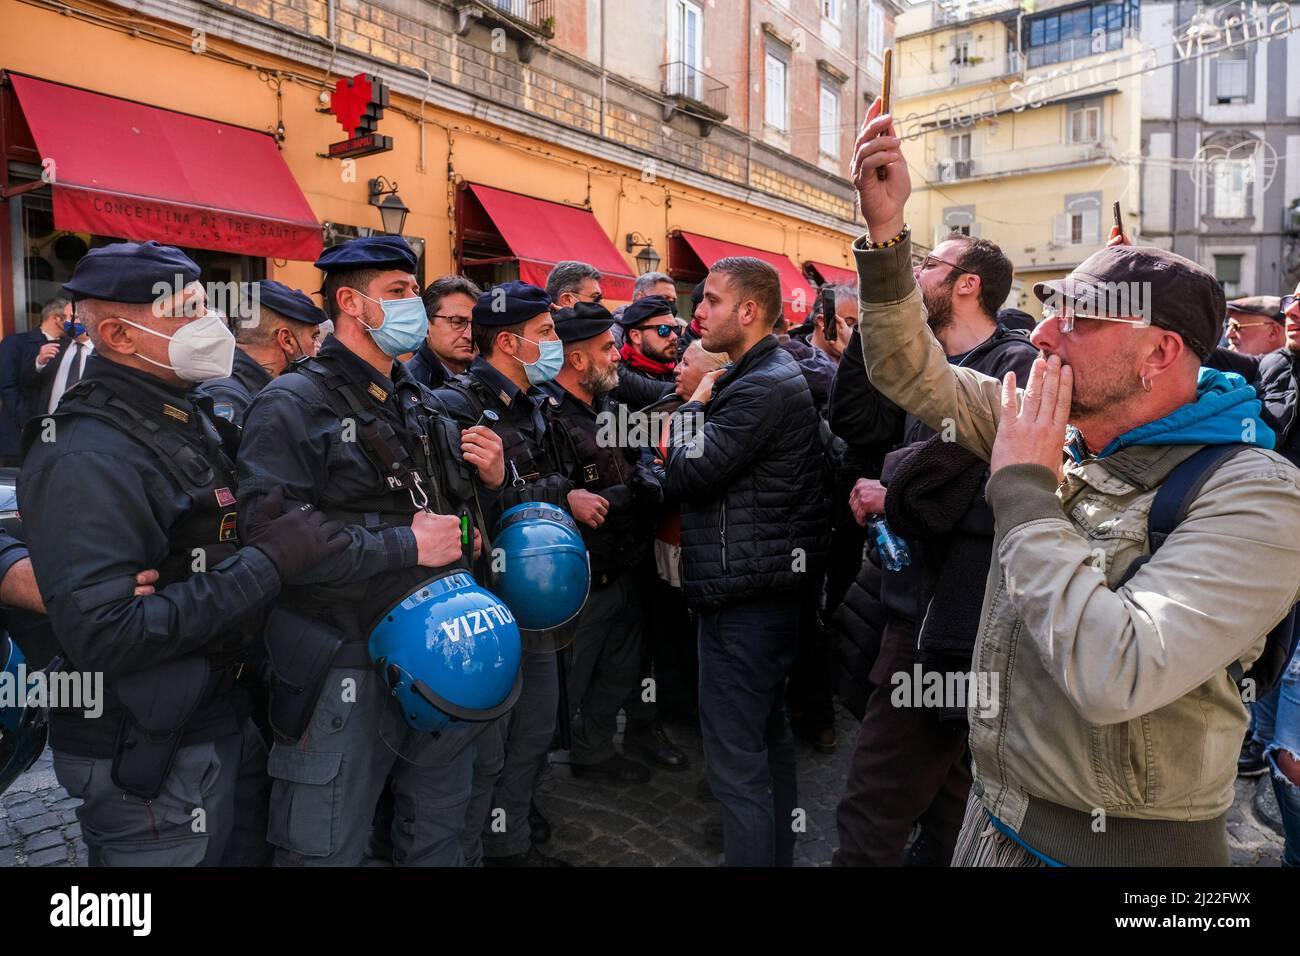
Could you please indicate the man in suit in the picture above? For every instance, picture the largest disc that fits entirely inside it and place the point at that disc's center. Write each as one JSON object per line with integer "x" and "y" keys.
{"x": 57, "y": 367}
{"x": 17, "y": 352}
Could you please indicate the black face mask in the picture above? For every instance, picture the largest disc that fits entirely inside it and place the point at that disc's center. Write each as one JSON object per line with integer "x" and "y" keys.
{"x": 291, "y": 360}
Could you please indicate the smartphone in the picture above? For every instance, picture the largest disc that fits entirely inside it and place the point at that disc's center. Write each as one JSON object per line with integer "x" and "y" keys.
{"x": 885, "y": 93}
{"x": 830, "y": 327}
{"x": 1119, "y": 223}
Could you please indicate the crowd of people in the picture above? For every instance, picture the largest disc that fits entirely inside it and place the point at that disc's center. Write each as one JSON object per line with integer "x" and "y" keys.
{"x": 910, "y": 489}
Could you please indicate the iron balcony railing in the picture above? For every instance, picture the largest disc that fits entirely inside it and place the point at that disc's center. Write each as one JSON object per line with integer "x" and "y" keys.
{"x": 683, "y": 81}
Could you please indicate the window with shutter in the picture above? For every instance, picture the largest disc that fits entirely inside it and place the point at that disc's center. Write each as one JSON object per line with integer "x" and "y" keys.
{"x": 830, "y": 122}
{"x": 875, "y": 30}
{"x": 1229, "y": 179}
{"x": 1230, "y": 81}
{"x": 774, "y": 97}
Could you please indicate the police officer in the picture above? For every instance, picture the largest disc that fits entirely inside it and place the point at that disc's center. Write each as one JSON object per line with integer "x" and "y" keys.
{"x": 617, "y": 500}
{"x": 448, "y": 347}
{"x": 518, "y": 350}
{"x": 649, "y": 352}
{"x": 128, "y": 474}
{"x": 350, "y": 431}
{"x": 276, "y": 326}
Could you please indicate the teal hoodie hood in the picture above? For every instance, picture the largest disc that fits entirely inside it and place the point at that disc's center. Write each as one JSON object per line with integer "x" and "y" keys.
{"x": 1226, "y": 411}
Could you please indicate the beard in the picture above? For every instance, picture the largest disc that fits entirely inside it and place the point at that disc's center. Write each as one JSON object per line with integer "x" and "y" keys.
{"x": 722, "y": 336}
{"x": 1105, "y": 386}
{"x": 600, "y": 381}
{"x": 938, "y": 307}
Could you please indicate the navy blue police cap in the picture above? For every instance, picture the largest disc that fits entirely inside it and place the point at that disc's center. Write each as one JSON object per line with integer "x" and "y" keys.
{"x": 585, "y": 320}
{"x": 511, "y": 303}
{"x": 279, "y": 298}
{"x": 369, "y": 252}
{"x": 648, "y": 307}
{"x": 131, "y": 272}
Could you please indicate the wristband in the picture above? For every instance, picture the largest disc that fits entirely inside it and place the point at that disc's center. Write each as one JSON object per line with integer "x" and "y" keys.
{"x": 890, "y": 242}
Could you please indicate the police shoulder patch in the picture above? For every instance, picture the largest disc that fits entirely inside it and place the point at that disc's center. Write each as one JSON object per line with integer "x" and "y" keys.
{"x": 224, "y": 410}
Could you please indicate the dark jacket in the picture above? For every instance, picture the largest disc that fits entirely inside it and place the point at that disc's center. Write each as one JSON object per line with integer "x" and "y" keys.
{"x": 638, "y": 389}
{"x": 38, "y": 384}
{"x": 17, "y": 353}
{"x": 426, "y": 368}
{"x": 1276, "y": 377}
{"x": 817, "y": 367}
{"x": 620, "y": 474}
{"x": 752, "y": 483}
{"x": 231, "y": 396}
{"x": 98, "y": 506}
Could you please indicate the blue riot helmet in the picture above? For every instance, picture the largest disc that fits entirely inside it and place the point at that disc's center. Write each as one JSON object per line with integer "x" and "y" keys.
{"x": 22, "y": 728}
{"x": 449, "y": 652}
{"x": 544, "y": 572}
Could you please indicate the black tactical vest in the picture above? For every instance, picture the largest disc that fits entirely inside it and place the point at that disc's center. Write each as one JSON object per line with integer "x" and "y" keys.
{"x": 194, "y": 453}
{"x": 531, "y": 458}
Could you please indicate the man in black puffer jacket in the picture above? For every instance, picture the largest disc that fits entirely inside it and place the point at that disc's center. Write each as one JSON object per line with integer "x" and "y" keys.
{"x": 745, "y": 459}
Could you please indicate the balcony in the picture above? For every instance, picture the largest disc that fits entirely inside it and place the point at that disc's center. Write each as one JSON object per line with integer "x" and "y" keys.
{"x": 917, "y": 81}
{"x": 695, "y": 93}
{"x": 1009, "y": 162}
{"x": 527, "y": 21}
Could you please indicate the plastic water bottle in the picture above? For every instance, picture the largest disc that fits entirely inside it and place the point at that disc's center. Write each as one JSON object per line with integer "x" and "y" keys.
{"x": 892, "y": 549}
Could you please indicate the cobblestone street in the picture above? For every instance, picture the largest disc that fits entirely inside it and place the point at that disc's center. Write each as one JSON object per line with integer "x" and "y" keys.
{"x": 667, "y": 822}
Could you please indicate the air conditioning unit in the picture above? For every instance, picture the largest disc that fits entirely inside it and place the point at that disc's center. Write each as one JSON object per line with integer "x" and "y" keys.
{"x": 947, "y": 171}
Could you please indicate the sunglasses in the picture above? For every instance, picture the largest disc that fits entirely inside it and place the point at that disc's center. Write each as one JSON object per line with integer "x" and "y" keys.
{"x": 1065, "y": 319}
{"x": 1288, "y": 301}
{"x": 458, "y": 323}
{"x": 595, "y": 297}
{"x": 663, "y": 331}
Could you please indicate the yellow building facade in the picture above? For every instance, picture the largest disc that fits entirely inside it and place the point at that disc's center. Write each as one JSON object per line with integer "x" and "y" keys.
{"x": 220, "y": 67}
{"x": 1013, "y": 120}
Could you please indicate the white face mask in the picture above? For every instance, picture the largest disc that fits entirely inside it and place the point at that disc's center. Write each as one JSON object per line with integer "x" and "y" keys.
{"x": 200, "y": 350}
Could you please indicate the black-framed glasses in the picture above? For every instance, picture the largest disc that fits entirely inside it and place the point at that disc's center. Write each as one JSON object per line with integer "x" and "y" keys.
{"x": 1288, "y": 301}
{"x": 458, "y": 323}
{"x": 930, "y": 261}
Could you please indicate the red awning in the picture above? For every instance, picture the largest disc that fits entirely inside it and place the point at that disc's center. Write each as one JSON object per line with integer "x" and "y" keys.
{"x": 541, "y": 233}
{"x": 139, "y": 172}
{"x": 794, "y": 287}
{"x": 836, "y": 275}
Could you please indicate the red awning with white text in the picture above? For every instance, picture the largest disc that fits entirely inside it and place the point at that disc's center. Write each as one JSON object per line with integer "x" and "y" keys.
{"x": 125, "y": 169}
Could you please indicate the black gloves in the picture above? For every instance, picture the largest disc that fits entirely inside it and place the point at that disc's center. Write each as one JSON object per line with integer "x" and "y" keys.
{"x": 296, "y": 540}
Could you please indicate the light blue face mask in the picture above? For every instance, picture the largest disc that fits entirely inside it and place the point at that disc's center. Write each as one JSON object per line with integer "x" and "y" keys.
{"x": 405, "y": 325}
{"x": 549, "y": 361}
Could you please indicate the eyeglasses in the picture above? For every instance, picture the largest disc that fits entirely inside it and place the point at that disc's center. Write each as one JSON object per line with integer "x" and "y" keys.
{"x": 1288, "y": 301}
{"x": 458, "y": 323}
{"x": 1235, "y": 326}
{"x": 594, "y": 297}
{"x": 1065, "y": 320}
{"x": 663, "y": 331}
{"x": 931, "y": 261}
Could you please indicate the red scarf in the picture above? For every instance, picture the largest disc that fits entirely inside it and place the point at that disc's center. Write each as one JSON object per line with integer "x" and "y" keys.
{"x": 643, "y": 364}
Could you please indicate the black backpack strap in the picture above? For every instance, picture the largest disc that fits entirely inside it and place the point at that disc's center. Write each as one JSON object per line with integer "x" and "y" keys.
{"x": 1172, "y": 502}
{"x": 1175, "y": 495}
{"x": 188, "y": 466}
